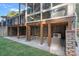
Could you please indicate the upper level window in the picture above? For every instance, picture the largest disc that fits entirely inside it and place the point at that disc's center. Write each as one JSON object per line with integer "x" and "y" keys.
{"x": 29, "y": 8}
{"x": 16, "y": 20}
{"x": 62, "y": 11}
{"x": 30, "y": 18}
{"x": 36, "y": 7}
{"x": 46, "y": 5}
{"x": 34, "y": 17}
{"x": 46, "y": 15}
{"x": 55, "y": 4}
{"x": 37, "y": 16}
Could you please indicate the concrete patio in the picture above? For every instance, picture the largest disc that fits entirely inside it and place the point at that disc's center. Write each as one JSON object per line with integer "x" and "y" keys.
{"x": 36, "y": 44}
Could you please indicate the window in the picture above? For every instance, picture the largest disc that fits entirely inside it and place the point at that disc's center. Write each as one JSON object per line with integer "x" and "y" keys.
{"x": 10, "y": 22}
{"x": 37, "y": 17}
{"x": 29, "y": 8}
{"x": 34, "y": 17}
{"x": 60, "y": 11}
{"x": 36, "y": 7}
{"x": 23, "y": 19}
{"x": 46, "y": 15}
{"x": 55, "y": 4}
{"x": 16, "y": 20}
{"x": 30, "y": 18}
{"x": 45, "y": 30}
{"x": 35, "y": 30}
{"x": 46, "y": 5}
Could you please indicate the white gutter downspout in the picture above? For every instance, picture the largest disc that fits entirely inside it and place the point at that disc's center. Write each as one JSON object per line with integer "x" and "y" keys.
{"x": 76, "y": 38}
{"x": 76, "y": 26}
{"x": 76, "y": 18}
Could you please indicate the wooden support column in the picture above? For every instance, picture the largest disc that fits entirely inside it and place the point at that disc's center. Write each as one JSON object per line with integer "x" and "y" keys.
{"x": 18, "y": 32}
{"x": 49, "y": 34}
{"x": 10, "y": 31}
{"x": 28, "y": 33}
{"x": 7, "y": 31}
{"x": 41, "y": 33}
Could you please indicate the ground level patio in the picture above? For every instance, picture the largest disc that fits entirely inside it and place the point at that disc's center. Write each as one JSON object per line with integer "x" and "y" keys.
{"x": 36, "y": 44}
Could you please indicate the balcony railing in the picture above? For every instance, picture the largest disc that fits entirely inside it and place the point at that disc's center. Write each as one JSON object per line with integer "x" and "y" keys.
{"x": 45, "y": 14}
{"x": 16, "y": 21}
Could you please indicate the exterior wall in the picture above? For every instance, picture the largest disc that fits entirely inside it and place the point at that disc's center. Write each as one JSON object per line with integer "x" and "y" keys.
{"x": 3, "y": 31}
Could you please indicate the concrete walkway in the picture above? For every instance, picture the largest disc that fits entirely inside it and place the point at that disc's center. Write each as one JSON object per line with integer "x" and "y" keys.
{"x": 35, "y": 43}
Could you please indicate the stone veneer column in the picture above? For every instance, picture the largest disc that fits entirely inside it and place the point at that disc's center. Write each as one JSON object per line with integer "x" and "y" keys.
{"x": 70, "y": 43}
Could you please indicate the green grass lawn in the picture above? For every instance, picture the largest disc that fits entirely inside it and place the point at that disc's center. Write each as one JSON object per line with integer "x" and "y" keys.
{"x": 11, "y": 48}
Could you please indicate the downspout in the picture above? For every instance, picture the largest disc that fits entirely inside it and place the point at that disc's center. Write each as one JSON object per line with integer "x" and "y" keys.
{"x": 76, "y": 26}
{"x": 76, "y": 38}
{"x": 76, "y": 18}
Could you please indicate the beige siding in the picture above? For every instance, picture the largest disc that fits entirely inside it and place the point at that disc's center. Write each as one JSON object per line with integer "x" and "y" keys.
{"x": 3, "y": 31}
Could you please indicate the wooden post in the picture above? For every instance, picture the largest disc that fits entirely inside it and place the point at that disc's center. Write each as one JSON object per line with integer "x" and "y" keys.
{"x": 26, "y": 21}
{"x": 18, "y": 21}
{"x": 28, "y": 33}
{"x": 41, "y": 33}
{"x": 7, "y": 31}
{"x": 18, "y": 32}
{"x": 10, "y": 31}
{"x": 49, "y": 34}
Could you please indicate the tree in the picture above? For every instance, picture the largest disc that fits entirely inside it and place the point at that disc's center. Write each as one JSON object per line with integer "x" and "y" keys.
{"x": 12, "y": 13}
